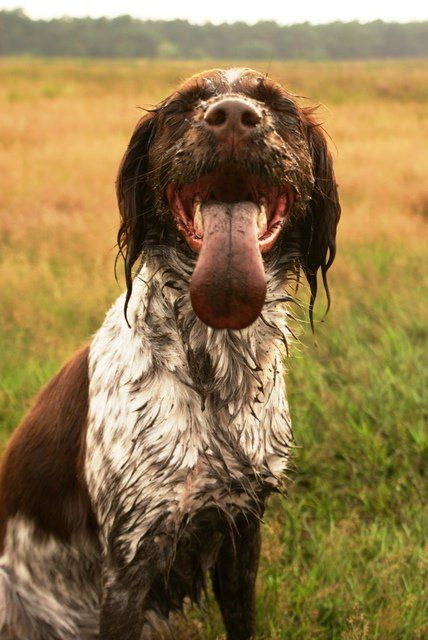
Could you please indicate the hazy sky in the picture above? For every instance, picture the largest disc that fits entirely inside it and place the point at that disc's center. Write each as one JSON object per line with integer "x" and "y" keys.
{"x": 284, "y": 12}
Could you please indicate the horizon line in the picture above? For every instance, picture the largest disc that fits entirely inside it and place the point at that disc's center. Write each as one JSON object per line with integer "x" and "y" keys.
{"x": 33, "y": 17}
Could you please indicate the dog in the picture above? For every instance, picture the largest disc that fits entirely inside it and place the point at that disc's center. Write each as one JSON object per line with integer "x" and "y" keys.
{"x": 145, "y": 463}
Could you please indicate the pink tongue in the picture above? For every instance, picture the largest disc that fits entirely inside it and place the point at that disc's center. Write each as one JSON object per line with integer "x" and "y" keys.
{"x": 228, "y": 285}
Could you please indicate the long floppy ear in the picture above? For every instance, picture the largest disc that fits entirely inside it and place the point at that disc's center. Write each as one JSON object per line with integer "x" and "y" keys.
{"x": 322, "y": 216}
{"x": 134, "y": 196}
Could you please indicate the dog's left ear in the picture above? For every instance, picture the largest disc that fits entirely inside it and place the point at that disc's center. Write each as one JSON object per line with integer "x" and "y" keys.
{"x": 134, "y": 196}
{"x": 322, "y": 216}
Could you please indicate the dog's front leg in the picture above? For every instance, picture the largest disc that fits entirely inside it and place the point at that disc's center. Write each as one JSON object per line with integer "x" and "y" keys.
{"x": 234, "y": 578}
{"x": 124, "y": 591}
{"x": 122, "y": 609}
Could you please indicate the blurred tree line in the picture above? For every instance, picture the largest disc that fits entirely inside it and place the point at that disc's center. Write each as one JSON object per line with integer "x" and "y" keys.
{"x": 125, "y": 36}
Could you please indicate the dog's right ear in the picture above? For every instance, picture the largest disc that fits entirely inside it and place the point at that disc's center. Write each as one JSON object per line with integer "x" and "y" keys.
{"x": 134, "y": 196}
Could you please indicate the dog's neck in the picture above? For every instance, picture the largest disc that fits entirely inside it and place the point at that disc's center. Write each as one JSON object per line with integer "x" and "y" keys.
{"x": 225, "y": 388}
{"x": 225, "y": 366}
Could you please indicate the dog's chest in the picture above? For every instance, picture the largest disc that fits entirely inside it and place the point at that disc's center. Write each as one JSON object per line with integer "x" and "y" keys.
{"x": 157, "y": 454}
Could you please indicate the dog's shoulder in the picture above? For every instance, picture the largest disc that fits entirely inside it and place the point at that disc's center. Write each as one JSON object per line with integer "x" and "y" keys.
{"x": 41, "y": 471}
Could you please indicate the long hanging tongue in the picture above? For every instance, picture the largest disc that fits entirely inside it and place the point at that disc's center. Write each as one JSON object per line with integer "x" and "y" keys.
{"x": 228, "y": 285}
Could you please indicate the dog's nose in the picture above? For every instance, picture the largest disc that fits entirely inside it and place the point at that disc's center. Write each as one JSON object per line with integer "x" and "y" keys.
{"x": 232, "y": 116}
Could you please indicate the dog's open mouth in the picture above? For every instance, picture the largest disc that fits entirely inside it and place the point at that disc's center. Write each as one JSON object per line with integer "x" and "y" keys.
{"x": 187, "y": 201}
{"x": 230, "y": 219}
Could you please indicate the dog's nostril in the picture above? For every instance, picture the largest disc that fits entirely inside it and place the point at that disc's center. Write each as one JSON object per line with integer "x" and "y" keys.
{"x": 250, "y": 118}
{"x": 216, "y": 117}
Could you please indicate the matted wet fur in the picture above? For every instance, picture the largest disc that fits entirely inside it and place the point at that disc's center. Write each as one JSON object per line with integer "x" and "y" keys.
{"x": 146, "y": 462}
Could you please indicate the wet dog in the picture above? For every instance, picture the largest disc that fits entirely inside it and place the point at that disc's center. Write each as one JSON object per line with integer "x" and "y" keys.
{"x": 146, "y": 462}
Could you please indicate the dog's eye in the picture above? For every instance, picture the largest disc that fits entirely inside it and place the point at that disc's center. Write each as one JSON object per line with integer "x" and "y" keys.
{"x": 208, "y": 90}
{"x": 187, "y": 102}
{"x": 179, "y": 105}
{"x": 263, "y": 91}
{"x": 202, "y": 90}
{"x": 273, "y": 96}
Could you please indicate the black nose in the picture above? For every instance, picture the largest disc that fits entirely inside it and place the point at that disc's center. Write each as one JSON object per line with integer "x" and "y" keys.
{"x": 232, "y": 116}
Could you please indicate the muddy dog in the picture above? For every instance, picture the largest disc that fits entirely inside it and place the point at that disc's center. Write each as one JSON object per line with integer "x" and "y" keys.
{"x": 146, "y": 462}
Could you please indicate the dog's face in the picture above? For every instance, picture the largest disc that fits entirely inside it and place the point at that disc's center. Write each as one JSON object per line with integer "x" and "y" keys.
{"x": 230, "y": 169}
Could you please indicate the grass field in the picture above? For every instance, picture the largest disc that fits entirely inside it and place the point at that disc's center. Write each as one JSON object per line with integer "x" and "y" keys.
{"x": 345, "y": 556}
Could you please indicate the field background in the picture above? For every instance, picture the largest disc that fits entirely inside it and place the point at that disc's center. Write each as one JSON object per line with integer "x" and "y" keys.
{"x": 345, "y": 556}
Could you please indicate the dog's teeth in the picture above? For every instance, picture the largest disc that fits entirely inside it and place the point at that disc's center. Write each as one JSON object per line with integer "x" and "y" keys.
{"x": 197, "y": 218}
{"x": 262, "y": 217}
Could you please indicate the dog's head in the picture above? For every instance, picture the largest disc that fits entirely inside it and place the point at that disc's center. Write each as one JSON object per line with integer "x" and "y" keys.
{"x": 232, "y": 170}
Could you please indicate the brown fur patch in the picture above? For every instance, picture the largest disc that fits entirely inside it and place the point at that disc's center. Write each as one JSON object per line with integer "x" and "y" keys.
{"x": 41, "y": 474}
